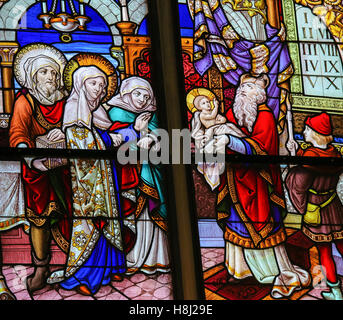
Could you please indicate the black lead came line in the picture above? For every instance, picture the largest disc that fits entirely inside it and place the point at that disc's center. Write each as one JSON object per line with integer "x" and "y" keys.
{"x": 17, "y": 154}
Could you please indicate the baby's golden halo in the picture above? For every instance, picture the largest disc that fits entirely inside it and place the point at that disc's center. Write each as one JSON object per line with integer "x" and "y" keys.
{"x": 193, "y": 94}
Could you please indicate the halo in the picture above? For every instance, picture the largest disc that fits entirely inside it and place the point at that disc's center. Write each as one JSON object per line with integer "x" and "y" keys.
{"x": 91, "y": 59}
{"x": 195, "y": 93}
{"x": 33, "y": 50}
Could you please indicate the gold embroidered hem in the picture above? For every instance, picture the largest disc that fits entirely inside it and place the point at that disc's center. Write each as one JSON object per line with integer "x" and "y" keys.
{"x": 320, "y": 237}
{"x": 267, "y": 229}
{"x": 222, "y": 215}
{"x": 151, "y": 192}
{"x": 277, "y": 200}
{"x": 153, "y": 215}
{"x": 214, "y": 5}
{"x": 237, "y": 275}
{"x": 265, "y": 175}
{"x": 62, "y": 243}
{"x": 200, "y": 31}
{"x": 256, "y": 147}
{"x": 140, "y": 205}
{"x": 273, "y": 197}
{"x": 39, "y": 220}
{"x": 286, "y": 74}
{"x": 149, "y": 268}
{"x": 11, "y": 222}
{"x": 222, "y": 194}
{"x": 159, "y": 221}
{"x": 260, "y": 57}
{"x": 271, "y": 241}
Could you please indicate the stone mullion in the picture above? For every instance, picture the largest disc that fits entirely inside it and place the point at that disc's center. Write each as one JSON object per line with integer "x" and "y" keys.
{"x": 187, "y": 262}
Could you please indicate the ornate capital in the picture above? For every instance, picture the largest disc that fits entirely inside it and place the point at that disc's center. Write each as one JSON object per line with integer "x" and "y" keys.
{"x": 253, "y": 7}
{"x": 126, "y": 28}
{"x": 118, "y": 54}
{"x": 7, "y": 52}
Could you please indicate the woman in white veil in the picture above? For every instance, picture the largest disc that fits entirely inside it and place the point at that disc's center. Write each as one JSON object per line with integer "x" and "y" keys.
{"x": 96, "y": 254}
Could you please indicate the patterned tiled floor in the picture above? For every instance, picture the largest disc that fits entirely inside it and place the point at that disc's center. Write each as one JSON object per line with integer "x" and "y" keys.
{"x": 214, "y": 256}
{"x": 137, "y": 287}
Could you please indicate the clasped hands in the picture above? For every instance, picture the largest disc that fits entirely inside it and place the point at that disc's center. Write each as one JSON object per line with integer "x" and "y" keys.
{"x": 141, "y": 124}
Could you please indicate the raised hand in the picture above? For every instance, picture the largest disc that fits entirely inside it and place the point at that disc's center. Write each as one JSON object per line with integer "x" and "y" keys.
{"x": 292, "y": 146}
{"x": 142, "y": 121}
{"x": 216, "y": 103}
{"x": 145, "y": 142}
{"x": 116, "y": 138}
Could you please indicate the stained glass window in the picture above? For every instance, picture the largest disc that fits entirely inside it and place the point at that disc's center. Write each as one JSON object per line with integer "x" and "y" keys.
{"x": 77, "y": 76}
{"x": 101, "y": 201}
{"x": 264, "y": 79}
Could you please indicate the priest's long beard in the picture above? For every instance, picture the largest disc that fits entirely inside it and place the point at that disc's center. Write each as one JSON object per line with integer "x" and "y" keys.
{"x": 245, "y": 109}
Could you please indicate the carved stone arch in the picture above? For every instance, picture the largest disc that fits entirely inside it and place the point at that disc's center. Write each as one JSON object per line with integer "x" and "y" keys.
{"x": 10, "y": 14}
{"x": 12, "y": 11}
{"x": 138, "y": 10}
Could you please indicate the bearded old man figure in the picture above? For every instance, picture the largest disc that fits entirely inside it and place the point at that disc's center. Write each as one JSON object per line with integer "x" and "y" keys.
{"x": 250, "y": 203}
{"x": 38, "y": 111}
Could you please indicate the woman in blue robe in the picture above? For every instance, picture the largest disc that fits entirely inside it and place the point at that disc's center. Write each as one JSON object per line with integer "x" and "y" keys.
{"x": 97, "y": 250}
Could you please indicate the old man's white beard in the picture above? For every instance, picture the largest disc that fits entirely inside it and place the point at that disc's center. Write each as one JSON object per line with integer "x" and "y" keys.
{"x": 245, "y": 110}
{"x": 47, "y": 95}
{"x": 46, "y": 91}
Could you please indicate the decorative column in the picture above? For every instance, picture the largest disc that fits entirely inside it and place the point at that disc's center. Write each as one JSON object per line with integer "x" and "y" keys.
{"x": 273, "y": 13}
{"x": 124, "y": 10}
{"x": 285, "y": 124}
{"x": 215, "y": 80}
{"x": 7, "y": 52}
{"x": 133, "y": 45}
{"x": 127, "y": 30}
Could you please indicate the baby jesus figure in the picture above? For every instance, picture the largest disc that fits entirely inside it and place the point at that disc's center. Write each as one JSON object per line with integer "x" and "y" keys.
{"x": 207, "y": 122}
{"x": 209, "y": 115}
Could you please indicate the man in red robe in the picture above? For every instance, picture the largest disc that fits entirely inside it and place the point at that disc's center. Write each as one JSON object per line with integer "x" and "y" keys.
{"x": 38, "y": 111}
{"x": 250, "y": 200}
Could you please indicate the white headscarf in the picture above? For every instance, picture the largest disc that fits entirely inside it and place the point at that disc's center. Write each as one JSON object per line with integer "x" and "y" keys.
{"x": 31, "y": 67}
{"x": 123, "y": 99}
{"x": 79, "y": 108}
